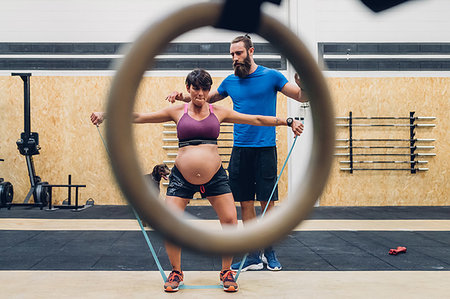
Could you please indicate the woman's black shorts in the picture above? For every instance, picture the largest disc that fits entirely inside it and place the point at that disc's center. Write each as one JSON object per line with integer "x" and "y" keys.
{"x": 178, "y": 186}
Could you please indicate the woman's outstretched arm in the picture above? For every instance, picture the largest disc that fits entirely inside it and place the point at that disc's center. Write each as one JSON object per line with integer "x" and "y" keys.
{"x": 163, "y": 115}
{"x": 231, "y": 116}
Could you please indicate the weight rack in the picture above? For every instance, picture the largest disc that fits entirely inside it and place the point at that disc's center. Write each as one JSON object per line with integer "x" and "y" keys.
{"x": 412, "y": 146}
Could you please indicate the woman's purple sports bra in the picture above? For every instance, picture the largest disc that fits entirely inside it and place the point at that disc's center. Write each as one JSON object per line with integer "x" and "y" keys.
{"x": 193, "y": 132}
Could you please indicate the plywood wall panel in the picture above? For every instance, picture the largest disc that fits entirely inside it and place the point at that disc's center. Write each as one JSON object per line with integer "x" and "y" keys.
{"x": 60, "y": 110}
{"x": 391, "y": 97}
{"x": 71, "y": 145}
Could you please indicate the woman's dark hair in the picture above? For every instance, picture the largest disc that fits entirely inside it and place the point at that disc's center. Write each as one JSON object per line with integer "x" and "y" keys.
{"x": 199, "y": 78}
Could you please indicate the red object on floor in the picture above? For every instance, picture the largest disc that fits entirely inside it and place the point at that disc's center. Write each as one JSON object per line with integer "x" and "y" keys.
{"x": 399, "y": 249}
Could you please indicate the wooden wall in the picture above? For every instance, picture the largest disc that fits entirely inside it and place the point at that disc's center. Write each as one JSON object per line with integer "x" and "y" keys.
{"x": 60, "y": 110}
{"x": 61, "y": 106}
{"x": 392, "y": 97}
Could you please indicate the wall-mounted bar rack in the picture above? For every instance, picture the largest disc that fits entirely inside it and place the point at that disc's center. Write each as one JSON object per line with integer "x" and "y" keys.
{"x": 390, "y": 154}
{"x": 412, "y": 140}
{"x": 408, "y": 169}
{"x": 370, "y": 161}
{"x": 391, "y": 146}
{"x": 388, "y": 117}
{"x": 176, "y": 147}
{"x": 380, "y": 139}
{"x": 386, "y": 125}
{"x": 174, "y": 125}
{"x": 176, "y": 139}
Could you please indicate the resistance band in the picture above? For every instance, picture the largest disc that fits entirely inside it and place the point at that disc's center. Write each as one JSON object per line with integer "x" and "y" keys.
{"x": 150, "y": 246}
{"x": 267, "y": 205}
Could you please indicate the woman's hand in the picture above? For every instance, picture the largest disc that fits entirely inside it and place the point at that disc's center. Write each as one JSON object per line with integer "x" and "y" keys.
{"x": 297, "y": 127}
{"x": 97, "y": 118}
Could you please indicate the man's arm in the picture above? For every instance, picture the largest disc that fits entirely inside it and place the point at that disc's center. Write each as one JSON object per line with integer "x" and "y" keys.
{"x": 178, "y": 96}
{"x": 213, "y": 96}
{"x": 295, "y": 91}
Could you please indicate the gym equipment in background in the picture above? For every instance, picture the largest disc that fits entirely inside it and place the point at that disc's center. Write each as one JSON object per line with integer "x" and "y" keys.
{"x": 28, "y": 146}
{"x": 6, "y": 192}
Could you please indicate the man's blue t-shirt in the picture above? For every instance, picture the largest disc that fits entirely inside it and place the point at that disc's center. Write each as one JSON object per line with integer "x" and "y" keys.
{"x": 255, "y": 94}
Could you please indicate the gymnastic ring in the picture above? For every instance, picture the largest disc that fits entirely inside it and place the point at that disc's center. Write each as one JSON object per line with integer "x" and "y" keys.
{"x": 275, "y": 225}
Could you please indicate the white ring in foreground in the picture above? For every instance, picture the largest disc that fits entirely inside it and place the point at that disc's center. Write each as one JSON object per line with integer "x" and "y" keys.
{"x": 256, "y": 235}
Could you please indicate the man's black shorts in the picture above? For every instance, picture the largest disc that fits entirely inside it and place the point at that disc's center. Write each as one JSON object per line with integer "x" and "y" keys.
{"x": 178, "y": 186}
{"x": 253, "y": 170}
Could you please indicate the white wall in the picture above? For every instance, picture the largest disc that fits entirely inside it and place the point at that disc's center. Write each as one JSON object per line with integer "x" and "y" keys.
{"x": 351, "y": 21}
{"x": 313, "y": 20}
{"x": 96, "y": 20}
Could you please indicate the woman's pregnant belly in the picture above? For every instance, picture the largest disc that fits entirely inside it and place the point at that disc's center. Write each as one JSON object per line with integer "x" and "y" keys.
{"x": 198, "y": 163}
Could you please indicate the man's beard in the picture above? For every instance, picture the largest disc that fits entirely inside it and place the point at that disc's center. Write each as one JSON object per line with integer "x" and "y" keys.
{"x": 242, "y": 70}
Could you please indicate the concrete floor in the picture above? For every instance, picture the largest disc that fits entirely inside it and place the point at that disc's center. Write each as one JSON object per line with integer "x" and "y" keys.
{"x": 338, "y": 253}
{"x": 256, "y": 284}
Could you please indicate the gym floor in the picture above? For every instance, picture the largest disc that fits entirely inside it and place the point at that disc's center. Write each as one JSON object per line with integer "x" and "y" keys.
{"x": 339, "y": 252}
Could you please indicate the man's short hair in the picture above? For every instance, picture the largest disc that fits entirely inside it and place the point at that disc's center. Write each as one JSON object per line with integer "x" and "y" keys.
{"x": 246, "y": 39}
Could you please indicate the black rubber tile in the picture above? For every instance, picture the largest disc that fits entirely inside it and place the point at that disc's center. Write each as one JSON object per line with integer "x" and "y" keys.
{"x": 439, "y": 253}
{"x": 38, "y": 248}
{"x": 319, "y": 239}
{"x": 289, "y": 241}
{"x": 347, "y": 250}
{"x": 413, "y": 259}
{"x": 410, "y": 212}
{"x": 368, "y": 242}
{"x": 35, "y": 252}
{"x": 18, "y": 262}
{"x": 56, "y": 239}
{"x": 302, "y": 259}
{"x": 406, "y": 238}
{"x": 299, "y": 251}
{"x": 94, "y": 212}
{"x": 136, "y": 236}
{"x": 134, "y": 244}
{"x": 130, "y": 263}
{"x": 198, "y": 262}
{"x": 356, "y": 261}
{"x": 95, "y": 238}
{"x": 76, "y": 250}
{"x": 306, "y": 263}
{"x": 11, "y": 238}
{"x": 442, "y": 237}
{"x": 66, "y": 262}
{"x": 207, "y": 212}
{"x": 137, "y": 250}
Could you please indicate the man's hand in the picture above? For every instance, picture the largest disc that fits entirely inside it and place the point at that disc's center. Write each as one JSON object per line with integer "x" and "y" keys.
{"x": 297, "y": 80}
{"x": 303, "y": 97}
{"x": 297, "y": 127}
{"x": 97, "y": 118}
{"x": 175, "y": 96}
